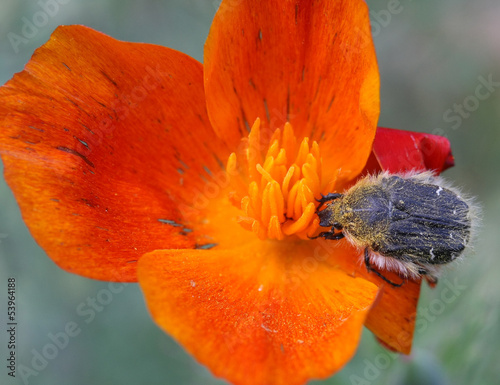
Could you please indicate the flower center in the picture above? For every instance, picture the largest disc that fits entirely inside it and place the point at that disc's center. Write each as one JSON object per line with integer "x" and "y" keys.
{"x": 276, "y": 184}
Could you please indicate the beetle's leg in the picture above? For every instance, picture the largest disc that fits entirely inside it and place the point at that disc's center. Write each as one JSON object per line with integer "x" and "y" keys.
{"x": 431, "y": 280}
{"x": 371, "y": 269}
{"x": 329, "y": 235}
{"x": 327, "y": 198}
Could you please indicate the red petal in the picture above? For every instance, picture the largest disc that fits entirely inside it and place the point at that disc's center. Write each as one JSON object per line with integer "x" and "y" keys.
{"x": 399, "y": 151}
{"x": 102, "y": 141}
{"x": 267, "y": 315}
{"x": 310, "y": 63}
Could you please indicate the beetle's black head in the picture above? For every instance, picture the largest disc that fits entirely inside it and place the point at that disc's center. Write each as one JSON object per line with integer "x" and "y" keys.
{"x": 327, "y": 215}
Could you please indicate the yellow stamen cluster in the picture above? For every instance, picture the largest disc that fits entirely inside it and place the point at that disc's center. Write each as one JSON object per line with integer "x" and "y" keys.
{"x": 277, "y": 191}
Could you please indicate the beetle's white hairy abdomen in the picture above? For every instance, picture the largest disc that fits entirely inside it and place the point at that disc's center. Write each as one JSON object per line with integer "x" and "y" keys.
{"x": 402, "y": 268}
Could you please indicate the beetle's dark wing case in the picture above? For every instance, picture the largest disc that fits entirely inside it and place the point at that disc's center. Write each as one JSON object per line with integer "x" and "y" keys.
{"x": 427, "y": 221}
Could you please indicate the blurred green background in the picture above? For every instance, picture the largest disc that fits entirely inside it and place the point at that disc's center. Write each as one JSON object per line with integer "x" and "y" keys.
{"x": 432, "y": 56}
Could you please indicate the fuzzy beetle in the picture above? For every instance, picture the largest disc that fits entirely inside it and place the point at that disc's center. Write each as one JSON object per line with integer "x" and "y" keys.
{"x": 407, "y": 223}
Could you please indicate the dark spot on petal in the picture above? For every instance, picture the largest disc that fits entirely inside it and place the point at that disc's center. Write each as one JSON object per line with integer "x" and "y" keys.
{"x": 183, "y": 164}
{"x": 88, "y": 129}
{"x": 76, "y": 153}
{"x": 89, "y": 202}
{"x": 170, "y": 222}
{"x": 206, "y": 246}
{"x": 268, "y": 116}
{"x": 207, "y": 170}
{"x": 82, "y": 142}
{"x": 330, "y": 104}
{"x": 109, "y": 78}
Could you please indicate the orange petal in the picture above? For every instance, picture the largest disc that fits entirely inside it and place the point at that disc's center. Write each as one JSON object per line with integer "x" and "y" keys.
{"x": 392, "y": 317}
{"x": 102, "y": 142}
{"x": 310, "y": 63}
{"x": 256, "y": 316}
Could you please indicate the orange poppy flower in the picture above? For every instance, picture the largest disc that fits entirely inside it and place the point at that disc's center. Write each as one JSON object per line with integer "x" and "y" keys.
{"x": 136, "y": 162}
